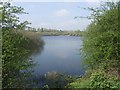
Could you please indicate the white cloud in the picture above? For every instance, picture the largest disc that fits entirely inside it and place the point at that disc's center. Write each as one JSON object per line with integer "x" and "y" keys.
{"x": 62, "y": 12}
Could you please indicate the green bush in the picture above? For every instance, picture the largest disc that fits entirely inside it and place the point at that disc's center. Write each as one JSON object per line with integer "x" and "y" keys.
{"x": 17, "y": 49}
{"x": 100, "y": 39}
{"x": 14, "y": 57}
{"x": 100, "y": 79}
{"x": 100, "y": 49}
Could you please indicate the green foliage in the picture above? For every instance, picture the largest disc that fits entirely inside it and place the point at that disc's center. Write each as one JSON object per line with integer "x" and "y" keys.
{"x": 46, "y": 86}
{"x": 100, "y": 40}
{"x": 35, "y": 43}
{"x": 79, "y": 83}
{"x": 15, "y": 58}
{"x": 98, "y": 79}
{"x": 16, "y": 49}
{"x": 100, "y": 49}
{"x": 10, "y": 17}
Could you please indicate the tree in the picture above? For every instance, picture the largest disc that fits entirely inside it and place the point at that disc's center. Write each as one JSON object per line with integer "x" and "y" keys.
{"x": 10, "y": 17}
{"x": 42, "y": 29}
{"x": 15, "y": 51}
{"x": 23, "y": 25}
{"x": 100, "y": 40}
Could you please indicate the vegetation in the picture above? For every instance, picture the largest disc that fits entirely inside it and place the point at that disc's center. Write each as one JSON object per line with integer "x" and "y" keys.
{"x": 53, "y": 32}
{"x": 0, "y": 60}
{"x": 102, "y": 36}
{"x": 57, "y": 33}
{"x": 96, "y": 79}
{"x": 100, "y": 49}
{"x": 16, "y": 49}
{"x": 53, "y": 80}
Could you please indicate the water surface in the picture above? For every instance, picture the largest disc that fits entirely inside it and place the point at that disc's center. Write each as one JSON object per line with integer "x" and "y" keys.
{"x": 60, "y": 54}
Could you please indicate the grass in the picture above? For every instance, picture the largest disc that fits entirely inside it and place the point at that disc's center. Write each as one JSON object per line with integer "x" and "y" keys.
{"x": 79, "y": 83}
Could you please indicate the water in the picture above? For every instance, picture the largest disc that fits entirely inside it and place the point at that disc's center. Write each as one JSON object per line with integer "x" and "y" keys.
{"x": 60, "y": 54}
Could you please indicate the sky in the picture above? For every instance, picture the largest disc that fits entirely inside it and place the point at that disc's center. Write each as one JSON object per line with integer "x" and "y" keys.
{"x": 59, "y": 14}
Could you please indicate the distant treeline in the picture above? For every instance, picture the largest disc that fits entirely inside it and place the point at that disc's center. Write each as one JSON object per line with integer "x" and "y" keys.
{"x": 53, "y": 32}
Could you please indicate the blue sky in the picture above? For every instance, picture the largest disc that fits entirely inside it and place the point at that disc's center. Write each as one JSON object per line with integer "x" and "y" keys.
{"x": 57, "y": 15}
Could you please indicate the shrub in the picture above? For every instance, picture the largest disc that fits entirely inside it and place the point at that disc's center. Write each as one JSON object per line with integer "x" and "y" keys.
{"x": 100, "y": 79}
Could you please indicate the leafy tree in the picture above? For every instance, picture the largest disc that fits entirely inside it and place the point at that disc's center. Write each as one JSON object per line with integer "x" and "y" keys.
{"x": 101, "y": 49}
{"x": 15, "y": 48}
{"x": 10, "y": 17}
{"x": 23, "y": 25}
{"x": 100, "y": 40}
{"x": 15, "y": 59}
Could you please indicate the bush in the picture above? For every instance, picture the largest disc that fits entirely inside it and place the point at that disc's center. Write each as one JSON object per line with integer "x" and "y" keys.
{"x": 17, "y": 49}
{"x": 100, "y": 79}
{"x": 100, "y": 49}
{"x": 97, "y": 80}
{"x": 100, "y": 39}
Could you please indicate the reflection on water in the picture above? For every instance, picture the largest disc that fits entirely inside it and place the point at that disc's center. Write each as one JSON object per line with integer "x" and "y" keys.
{"x": 60, "y": 54}
{"x": 39, "y": 49}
